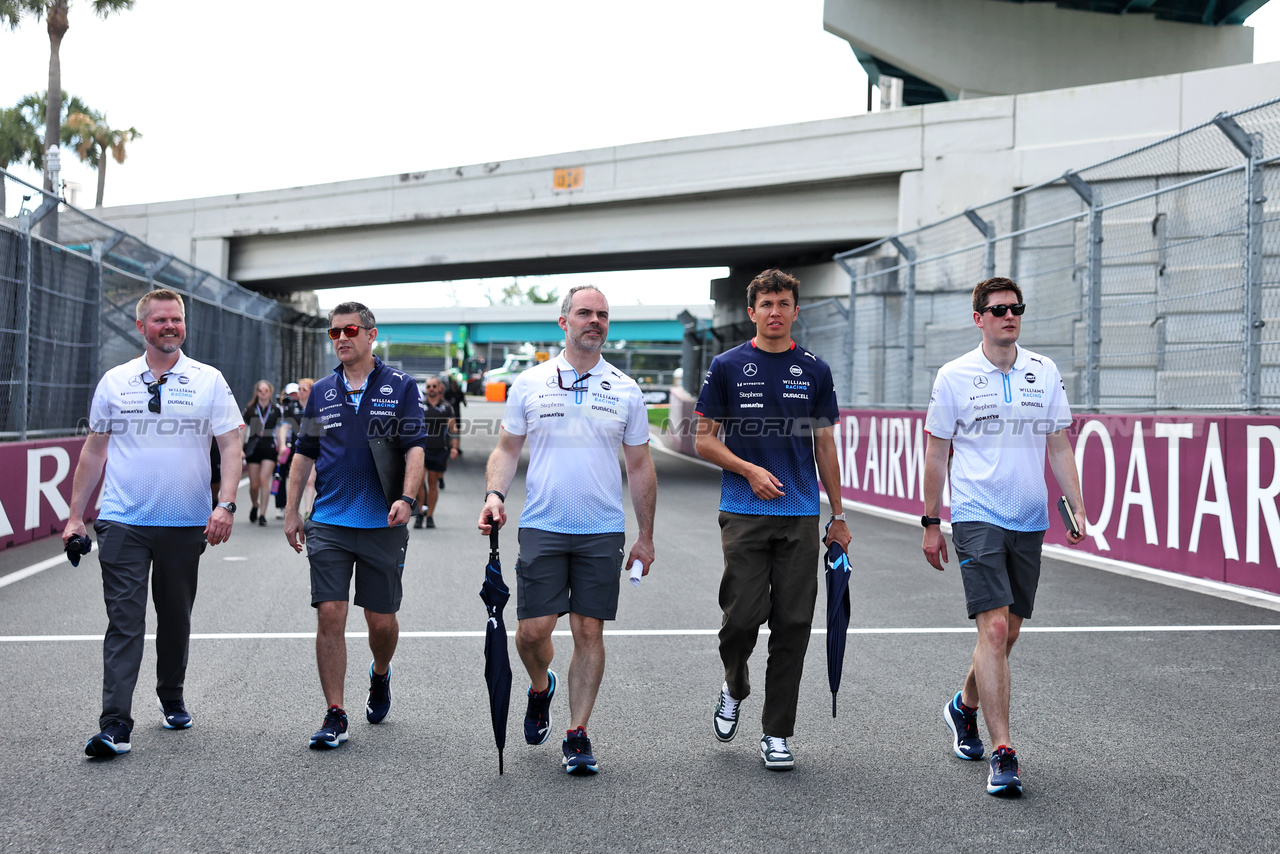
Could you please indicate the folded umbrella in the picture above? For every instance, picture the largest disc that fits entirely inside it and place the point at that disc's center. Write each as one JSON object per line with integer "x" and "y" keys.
{"x": 497, "y": 662}
{"x": 837, "y": 569}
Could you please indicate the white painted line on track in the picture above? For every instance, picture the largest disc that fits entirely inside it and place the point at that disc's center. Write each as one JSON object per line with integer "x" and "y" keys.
{"x": 946, "y": 630}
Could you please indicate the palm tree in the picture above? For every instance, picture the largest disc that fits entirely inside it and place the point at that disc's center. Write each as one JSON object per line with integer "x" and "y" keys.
{"x": 92, "y": 138}
{"x": 18, "y": 140}
{"x": 55, "y": 13}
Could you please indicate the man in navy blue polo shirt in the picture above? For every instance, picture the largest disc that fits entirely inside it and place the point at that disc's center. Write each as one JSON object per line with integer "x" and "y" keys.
{"x": 351, "y": 526}
{"x": 766, "y": 414}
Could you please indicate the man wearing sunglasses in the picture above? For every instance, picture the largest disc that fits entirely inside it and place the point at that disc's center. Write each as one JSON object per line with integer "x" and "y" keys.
{"x": 998, "y": 408}
{"x": 352, "y": 529}
{"x": 151, "y": 425}
{"x": 575, "y": 410}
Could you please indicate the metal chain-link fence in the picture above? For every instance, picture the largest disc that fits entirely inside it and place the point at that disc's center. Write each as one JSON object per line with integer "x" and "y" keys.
{"x": 1152, "y": 279}
{"x": 68, "y": 286}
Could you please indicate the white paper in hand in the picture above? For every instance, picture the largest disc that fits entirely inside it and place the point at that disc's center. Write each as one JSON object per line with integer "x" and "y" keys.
{"x": 637, "y": 571}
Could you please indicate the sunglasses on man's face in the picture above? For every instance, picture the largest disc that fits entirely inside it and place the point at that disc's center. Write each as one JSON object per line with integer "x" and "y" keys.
{"x": 998, "y": 310}
{"x": 349, "y": 331}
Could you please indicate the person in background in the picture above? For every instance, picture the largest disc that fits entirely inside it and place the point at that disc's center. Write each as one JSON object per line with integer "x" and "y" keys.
{"x": 309, "y": 491}
{"x": 291, "y": 408}
{"x": 263, "y": 426}
{"x": 442, "y": 446}
{"x": 457, "y": 397}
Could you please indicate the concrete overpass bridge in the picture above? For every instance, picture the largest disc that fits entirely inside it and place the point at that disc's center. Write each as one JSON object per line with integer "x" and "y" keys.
{"x": 789, "y": 195}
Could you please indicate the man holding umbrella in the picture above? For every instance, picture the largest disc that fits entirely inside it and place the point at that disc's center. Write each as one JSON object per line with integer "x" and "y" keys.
{"x": 766, "y": 413}
{"x": 575, "y": 410}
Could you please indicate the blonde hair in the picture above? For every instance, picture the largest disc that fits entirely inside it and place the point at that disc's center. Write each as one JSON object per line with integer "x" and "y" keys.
{"x": 144, "y": 304}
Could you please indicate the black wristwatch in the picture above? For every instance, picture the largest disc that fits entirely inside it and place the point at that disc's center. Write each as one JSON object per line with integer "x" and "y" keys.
{"x": 412, "y": 502}
{"x": 501, "y": 497}
{"x": 229, "y": 506}
{"x": 926, "y": 521}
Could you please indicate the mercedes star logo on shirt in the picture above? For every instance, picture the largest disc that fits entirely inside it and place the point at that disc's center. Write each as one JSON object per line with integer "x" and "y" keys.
{"x": 980, "y": 381}
{"x": 749, "y": 369}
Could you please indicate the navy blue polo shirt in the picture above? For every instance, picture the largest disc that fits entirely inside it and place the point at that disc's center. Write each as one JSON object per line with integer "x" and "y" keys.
{"x": 336, "y": 428}
{"x": 769, "y": 405}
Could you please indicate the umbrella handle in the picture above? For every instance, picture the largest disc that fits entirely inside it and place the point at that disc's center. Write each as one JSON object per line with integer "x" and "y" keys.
{"x": 493, "y": 536}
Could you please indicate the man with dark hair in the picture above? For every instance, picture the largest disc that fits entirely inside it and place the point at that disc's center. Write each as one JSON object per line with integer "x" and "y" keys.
{"x": 158, "y": 413}
{"x": 355, "y": 526}
{"x": 998, "y": 407}
{"x": 576, "y": 410}
{"x": 766, "y": 415}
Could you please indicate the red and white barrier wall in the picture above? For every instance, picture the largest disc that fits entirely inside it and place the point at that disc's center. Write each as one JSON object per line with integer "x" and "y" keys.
{"x": 1195, "y": 495}
{"x": 35, "y": 488}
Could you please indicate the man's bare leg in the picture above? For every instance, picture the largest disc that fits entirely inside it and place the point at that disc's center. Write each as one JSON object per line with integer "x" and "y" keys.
{"x": 533, "y": 643}
{"x": 331, "y": 650}
{"x": 988, "y": 677}
{"x": 586, "y": 669}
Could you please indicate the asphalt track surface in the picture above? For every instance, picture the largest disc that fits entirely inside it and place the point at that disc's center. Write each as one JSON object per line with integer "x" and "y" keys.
{"x": 1132, "y": 738}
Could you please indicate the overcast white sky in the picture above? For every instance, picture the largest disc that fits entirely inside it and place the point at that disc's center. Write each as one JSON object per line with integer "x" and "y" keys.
{"x": 245, "y": 95}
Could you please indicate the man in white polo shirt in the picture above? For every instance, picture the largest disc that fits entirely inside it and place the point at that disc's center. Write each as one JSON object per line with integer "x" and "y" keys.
{"x": 151, "y": 422}
{"x": 998, "y": 407}
{"x": 575, "y": 410}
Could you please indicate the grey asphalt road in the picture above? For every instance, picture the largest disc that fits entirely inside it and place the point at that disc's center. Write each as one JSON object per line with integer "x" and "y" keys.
{"x": 1130, "y": 740}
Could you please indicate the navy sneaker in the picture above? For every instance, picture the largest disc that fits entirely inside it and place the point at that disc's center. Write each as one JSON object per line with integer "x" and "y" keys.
{"x": 1004, "y": 778}
{"x": 112, "y": 741}
{"x": 379, "y": 696}
{"x": 537, "y": 719}
{"x": 775, "y": 754}
{"x": 174, "y": 714}
{"x": 417, "y": 520}
{"x": 431, "y": 522}
{"x": 577, "y": 753}
{"x": 725, "y": 720}
{"x": 965, "y": 741}
{"x": 333, "y": 732}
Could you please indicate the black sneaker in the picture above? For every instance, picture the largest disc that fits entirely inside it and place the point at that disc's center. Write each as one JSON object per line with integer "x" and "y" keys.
{"x": 333, "y": 732}
{"x": 417, "y": 520}
{"x": 577, "y": 753}
{"x": 112, "y": 741}
{"x": 253, "y": 514}
{"x": 775, "y": 754}
{"x": 537, "y": 719}
{"x": 174, "y": 714}
{"x": 1004, "y": 778}
{"x": 262, "y": 521}
{"x": 965, "y": 741}
{"x": 725, "y": 720}
{"x": 440, "y": 483}
{"x": 379, "y": 696}
{"x": 431, "y": 522}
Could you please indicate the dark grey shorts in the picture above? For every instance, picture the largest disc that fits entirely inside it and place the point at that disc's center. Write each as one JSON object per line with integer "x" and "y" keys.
{"x": 375, "y": 554}
{"x": 559, "y": 573}
{"x": 999, "y": 567}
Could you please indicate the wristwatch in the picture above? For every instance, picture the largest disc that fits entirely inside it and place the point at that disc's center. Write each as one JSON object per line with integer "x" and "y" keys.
{"x": 501, "y": 497}
{"x": 229, "y": 506}
{"x": 926, "y": 521}
{"x": 412, "y": 502}
{"x": 835, "y": 518}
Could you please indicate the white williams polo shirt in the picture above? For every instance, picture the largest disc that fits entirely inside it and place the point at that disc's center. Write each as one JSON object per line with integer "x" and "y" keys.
{"x": 997, "y": 424}
{"x": 158, "y": 463}
{"x": 574, "y": 482}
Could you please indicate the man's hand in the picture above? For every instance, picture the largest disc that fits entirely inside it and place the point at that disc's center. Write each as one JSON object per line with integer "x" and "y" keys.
{"x": 1078, "y": 538}
{"x": 399, "y": 514}
{"x": 839, "y": 532}
{"x": 935, "y": 547}
{"x": 453, "y": 453}
{"x": 641, "y": 550}
{"x": 218, "y": 529}
{"x": 764, "y": 484}
{"x": 494, "y": 509}
{"x": 74, "y": 528}
{"x": 283, "y": 456}
{"x": 293, "y": 530}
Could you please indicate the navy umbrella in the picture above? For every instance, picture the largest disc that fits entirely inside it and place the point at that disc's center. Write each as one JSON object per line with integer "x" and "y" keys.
{"x": 497, "y": 663}
{"x": 837, "y": 615}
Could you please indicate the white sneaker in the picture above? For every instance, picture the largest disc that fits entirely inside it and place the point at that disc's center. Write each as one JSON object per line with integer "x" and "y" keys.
{"x": 726, "y": 716}
{"x": 775, "y": 754}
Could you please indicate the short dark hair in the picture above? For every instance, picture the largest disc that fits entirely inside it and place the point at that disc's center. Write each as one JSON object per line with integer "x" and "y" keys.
{"x": 987, "y": 287}
{"x": 366, "y": 316}
{"x": 772, "y": 281}
{"x": 566, "y": 304}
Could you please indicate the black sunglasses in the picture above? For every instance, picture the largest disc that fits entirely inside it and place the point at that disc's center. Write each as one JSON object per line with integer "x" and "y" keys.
{"x": 154, "y": 388}
{"x": 579, "y": 384}
{"x": 350, "y": 331}
{"x": 998, "y": 310}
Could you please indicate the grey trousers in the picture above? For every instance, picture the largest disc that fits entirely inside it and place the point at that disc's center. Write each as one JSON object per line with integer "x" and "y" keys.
{"x": 770, "y": 574}
{"x": 128, "y": 554}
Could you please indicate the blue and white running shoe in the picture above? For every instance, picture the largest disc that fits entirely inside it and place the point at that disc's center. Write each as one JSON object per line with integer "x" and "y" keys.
{"x": 1004, "y": 778}
{"x": 537, "y": 718}
{"x": 965, "y": 741}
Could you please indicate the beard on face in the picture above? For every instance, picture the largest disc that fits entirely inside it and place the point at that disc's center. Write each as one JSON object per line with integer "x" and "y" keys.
{"x": 581, "y": 341}
{"x": 166, "y": 345}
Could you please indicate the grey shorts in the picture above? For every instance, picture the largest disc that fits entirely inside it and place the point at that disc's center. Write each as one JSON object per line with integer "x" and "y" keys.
{"x": 999, "y": 567}
{"x": 375, "y": 554}
{"x": 560, "y": 573}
